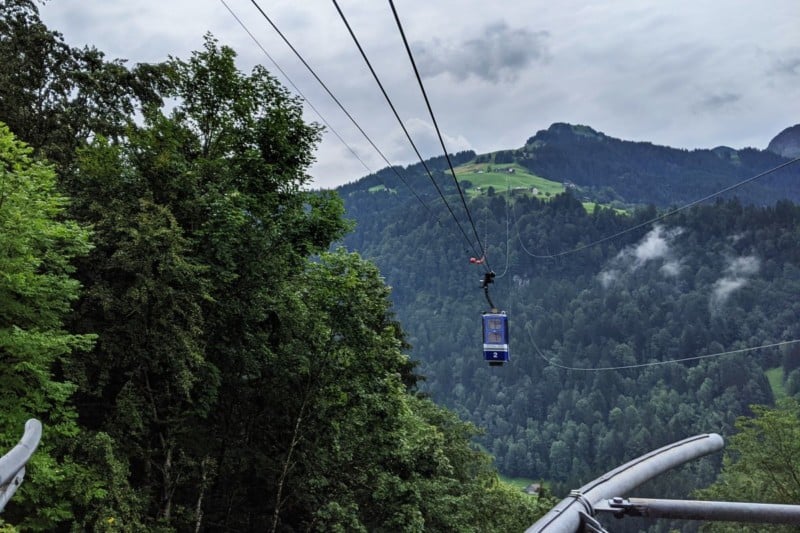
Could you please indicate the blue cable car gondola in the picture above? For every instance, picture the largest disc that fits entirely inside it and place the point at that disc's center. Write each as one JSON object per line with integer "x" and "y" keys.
{"x": 495, "y": 338}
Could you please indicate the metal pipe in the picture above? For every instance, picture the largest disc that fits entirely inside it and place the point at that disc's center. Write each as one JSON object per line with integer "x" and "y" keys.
{"x": 762, "y": 513}
{"x": 565, "y": 517}
{"x": 12, "y": 464}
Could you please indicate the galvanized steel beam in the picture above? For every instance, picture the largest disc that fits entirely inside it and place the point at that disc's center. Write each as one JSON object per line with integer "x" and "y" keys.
{"x": 566, "y": 516}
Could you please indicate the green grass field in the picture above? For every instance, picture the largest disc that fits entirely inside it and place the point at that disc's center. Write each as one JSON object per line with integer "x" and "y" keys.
{"x": 481, "y": 176}
{"x": 518, "y": 482}
{"x": 378, "y": 188}
{"x": 775, "y": 377}
{"x": 589, "y": 207}
{"x": 485, "y": 175}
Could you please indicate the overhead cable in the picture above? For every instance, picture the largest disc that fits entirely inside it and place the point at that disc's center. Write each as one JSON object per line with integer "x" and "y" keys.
{"x": 294, "y": 86}
{"x": 338, "y": 103}
{"x": 400, "y": 121}
{"x": 655, "y": 363}
{"x": 438, "y": 131}
{"x": 660, "y": 217}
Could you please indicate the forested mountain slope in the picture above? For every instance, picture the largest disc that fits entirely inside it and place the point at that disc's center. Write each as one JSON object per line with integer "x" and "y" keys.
{"x": 642, "y": 172}
{"x": 715, "y": 278}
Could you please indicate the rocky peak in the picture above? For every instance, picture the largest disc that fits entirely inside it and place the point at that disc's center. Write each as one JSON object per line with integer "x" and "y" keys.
{"x": 561, "y": 131}
{"x": 787, "y": 142}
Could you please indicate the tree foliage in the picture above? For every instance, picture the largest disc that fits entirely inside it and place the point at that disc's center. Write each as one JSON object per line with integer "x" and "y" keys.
{"x": 56, "y": 96}
{"x": 242, "y": 376}
{"x": 36, "y": 291}
{"x": 762, "y": 462}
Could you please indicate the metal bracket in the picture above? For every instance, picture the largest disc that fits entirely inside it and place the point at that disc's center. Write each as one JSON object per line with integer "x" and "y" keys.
{"x": 587, "y": 505}
{"x": 762, "y": 513}
{"x": 619, "y": 507}
{"x": 12, "y": 464}
{"x": 590, "y": 524}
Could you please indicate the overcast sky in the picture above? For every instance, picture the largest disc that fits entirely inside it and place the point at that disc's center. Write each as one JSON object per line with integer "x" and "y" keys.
{"x": 682, "y": 73}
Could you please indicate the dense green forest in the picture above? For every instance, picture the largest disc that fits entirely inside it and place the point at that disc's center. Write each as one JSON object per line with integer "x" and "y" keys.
{"x": 172, "y": 312}
{"x": 719, "y": 277}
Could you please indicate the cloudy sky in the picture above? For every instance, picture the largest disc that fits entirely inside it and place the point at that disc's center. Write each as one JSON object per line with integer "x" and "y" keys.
{"x": 683, "y": 73}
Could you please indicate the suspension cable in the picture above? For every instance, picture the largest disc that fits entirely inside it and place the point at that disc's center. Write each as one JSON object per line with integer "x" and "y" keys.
{"x": 294, "y": 86}
{"x": 400, "y": 121}
{"x": 660, "y": 217}
{"x": 654, "y": 363}
{"x": 338, "y": 103}
{"x": 438, "y": 131}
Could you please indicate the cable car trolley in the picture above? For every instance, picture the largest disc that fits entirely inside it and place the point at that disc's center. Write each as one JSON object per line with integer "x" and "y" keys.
{"x": 495, "y": 338}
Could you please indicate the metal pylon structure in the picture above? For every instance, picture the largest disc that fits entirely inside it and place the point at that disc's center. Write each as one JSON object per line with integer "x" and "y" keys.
{"x": 577, "y": 513}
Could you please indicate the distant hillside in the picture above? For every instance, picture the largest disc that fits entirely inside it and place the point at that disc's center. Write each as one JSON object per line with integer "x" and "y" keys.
{"x": 641, "y": 172}
{"x": 604, "y": 169}
{"x": 717, "y": 277}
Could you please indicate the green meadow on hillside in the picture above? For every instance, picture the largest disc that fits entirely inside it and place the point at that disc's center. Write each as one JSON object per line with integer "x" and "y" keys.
{"x": 775, "y": 378}
{"x": 502, "y": 177}
{"x": 476, "y": 179}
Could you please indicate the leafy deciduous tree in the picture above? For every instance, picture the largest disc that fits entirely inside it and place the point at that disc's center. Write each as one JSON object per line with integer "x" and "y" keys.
{"x": 762, "y": 462}
{"x": 36, "y": 292}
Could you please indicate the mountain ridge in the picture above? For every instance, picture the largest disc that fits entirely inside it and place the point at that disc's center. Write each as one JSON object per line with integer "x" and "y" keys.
{"x": 633, "y": 172}
{"x": 787, "y": 142}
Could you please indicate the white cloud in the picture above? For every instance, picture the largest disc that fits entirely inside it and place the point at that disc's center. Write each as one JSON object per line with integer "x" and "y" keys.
{"x": 722, "y": 290}
{"x": 608, "y": 277}
{"x": 425, "y": 139}
{"x": 646, "y": 80}
{"x": 498, "y": 54}
{"x": 736, "y": 276}
{"x": 656, "y": 245}
{"x": 671, "y": 268}
{"x": 744, "y": 266}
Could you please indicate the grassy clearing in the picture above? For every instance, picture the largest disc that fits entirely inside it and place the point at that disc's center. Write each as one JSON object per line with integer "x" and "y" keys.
{"x": 501, "y": 178}
{"x": 518, "y": 482}
{"x": 379, "y": 188}
{"x": 589, "y": 207}
{"x": 484, "y": 175}
{"x": 775, "y": 377}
